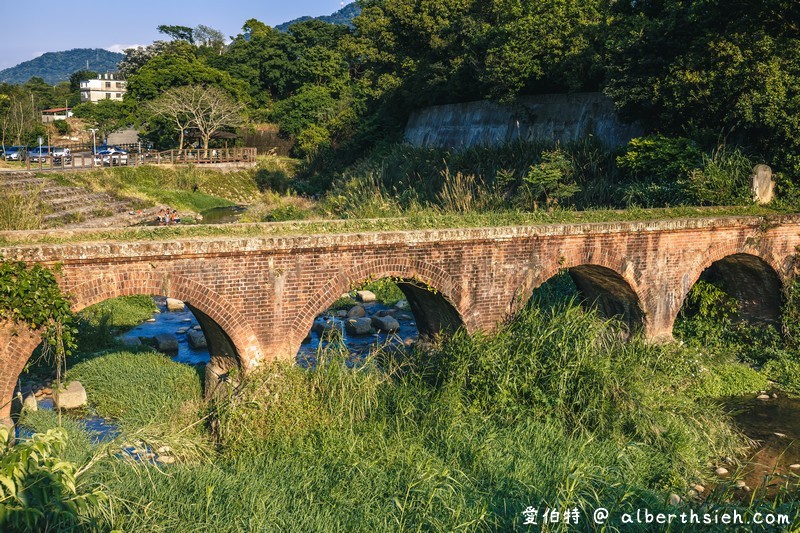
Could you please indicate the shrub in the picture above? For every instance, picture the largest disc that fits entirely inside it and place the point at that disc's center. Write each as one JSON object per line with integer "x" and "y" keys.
{"x": 39, "y": 491}
{"x": 659, "y": 159}
{"x": 724, "y": 179}
{"x": 551, "y": 181}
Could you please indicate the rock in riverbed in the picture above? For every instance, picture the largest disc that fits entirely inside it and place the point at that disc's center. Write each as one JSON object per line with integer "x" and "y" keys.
{"x": 166, "y": 342}
{"x": 197, "y": 339}
{"x": 357, "y": 311}
{"x": 175, "y": 305}
{"x": 366, "y": 296}
{"x": 385, "y": 323}
{"x": 72, "y": 397}
{"x": 358, "y": 326}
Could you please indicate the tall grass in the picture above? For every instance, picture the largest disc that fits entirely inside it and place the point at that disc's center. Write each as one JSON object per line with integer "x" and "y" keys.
{"x": 553, "y": 410}
{"x": 21, "y": 209}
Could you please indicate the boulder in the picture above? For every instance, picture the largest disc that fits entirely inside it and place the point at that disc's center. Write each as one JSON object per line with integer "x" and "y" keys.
{"x": 385, "y": 323}
{"x": 321, "y": 325}
{"x": 386, "y": 312}
{"x": 29, "y": 403}
{"x": 166, "y": 342}
{"x": 366, "y": 296}
{"x": 131, "y": 341}
{"x": 198, "y": 328}
{"x": 358, "y": 326}
{"x": 357, "y": 311}
{"x": 175, "y": 305}
{"x": 196, "y": 339}
{"x": 402, "y": 305}
{"x": 181, "y": 331}
{"x": 341, "y": 313}
{"x": 72, "y": 397}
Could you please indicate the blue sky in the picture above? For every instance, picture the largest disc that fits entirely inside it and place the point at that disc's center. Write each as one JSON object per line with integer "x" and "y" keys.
{"x": 49, "y": 26}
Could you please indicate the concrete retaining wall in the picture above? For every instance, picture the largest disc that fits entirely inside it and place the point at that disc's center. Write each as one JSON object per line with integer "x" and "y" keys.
{"x": 556, "y": 117}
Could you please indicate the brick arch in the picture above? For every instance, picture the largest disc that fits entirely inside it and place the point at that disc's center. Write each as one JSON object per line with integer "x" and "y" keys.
{"x": 215, "y": 306}
{"x": 17, "y": 344}
{"x": 722, "y": 251}
{"x": 526, "y": 283}
{"x": 423, "y": 272}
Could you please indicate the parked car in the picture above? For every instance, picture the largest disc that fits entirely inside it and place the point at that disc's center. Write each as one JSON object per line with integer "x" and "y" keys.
{"x": 40, "y": 153}
{"x": 105, "y": 147}
{"x": 15, "y": 153}
{"x": 111, "y": 157}
{"x": 60, "y": 154}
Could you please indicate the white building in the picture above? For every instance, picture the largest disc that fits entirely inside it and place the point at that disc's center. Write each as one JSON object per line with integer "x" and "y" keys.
{"x": 108, "y": 86}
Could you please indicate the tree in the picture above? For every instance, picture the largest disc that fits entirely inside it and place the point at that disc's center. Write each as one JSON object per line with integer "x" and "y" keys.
{"x": 174, "y": 105}
{"x": 209, "y": 109}
{"x": 214, "y": 110}
{"x": 78, "y": 76}
{"x": 714, "y": 70}
{"x": 105, "y": 115}
{"x": 178, "y": 33}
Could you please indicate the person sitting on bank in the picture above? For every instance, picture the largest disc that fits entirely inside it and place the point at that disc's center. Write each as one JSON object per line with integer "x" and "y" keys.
{"x": 173, "y": 217}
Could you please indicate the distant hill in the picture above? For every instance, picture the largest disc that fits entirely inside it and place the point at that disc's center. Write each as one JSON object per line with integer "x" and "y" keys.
{"x": 54, "y": 67}
{"x": 344, "y": 17}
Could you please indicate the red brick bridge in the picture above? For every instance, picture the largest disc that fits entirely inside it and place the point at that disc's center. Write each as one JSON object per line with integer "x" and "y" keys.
{"x": 256, "y": 298}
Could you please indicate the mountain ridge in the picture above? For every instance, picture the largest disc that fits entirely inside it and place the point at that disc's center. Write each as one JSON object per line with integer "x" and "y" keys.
{"x": 55, "y": 67}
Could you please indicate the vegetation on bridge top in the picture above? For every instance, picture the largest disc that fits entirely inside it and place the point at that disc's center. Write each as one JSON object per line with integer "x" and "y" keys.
{"x": 426, "y": 220}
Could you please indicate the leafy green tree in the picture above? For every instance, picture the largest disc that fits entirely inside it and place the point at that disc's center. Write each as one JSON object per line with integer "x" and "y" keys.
{"x": 105, "y": 115}
{"x": 711, "y": 69}
{"x": 78, "y": 76}
{"x": 178, "y": 33}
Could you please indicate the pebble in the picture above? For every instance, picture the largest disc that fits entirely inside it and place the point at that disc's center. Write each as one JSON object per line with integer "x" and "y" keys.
{"x": 795, "y": 466}
{"x": 762, "y": 397}
{"x": 674, "y": 499}
{"x": 186, "y": 320}
{"x": 166, "y": 459}
{"x": 692, "y": 493}
{"x": 781, "y": 435}
{"x": 197, "y": 328}
{"x": 164, "y": 449}
{"x": 150, "y": 320}
{"x": 740, "y": 484}
{"x": 699, "y": 488}
{"x": 721, "y": 471}
{"x": 774, "y": 395}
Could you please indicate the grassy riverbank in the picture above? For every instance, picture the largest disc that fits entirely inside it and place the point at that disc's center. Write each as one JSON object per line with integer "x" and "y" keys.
{"x": 555, "y": 409}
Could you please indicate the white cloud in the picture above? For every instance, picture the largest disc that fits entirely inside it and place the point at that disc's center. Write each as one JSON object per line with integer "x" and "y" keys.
{"x": 120, "y": 48}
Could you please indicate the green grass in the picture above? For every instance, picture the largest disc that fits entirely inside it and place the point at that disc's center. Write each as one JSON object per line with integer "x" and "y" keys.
{"x": 554, "y": 410}
{"x": 99, "y": 324}
{"x": 418, "y": 221}
{"x": 138, "y": 388}
{"x": 185, "y": 188}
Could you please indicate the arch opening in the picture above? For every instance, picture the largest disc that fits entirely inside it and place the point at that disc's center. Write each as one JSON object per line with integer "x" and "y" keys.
{"x": 124, "y": 328}
{"x": 752, "y": 282}
{"x": 599, "y": 288}
{"x": 393, "y": 313}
